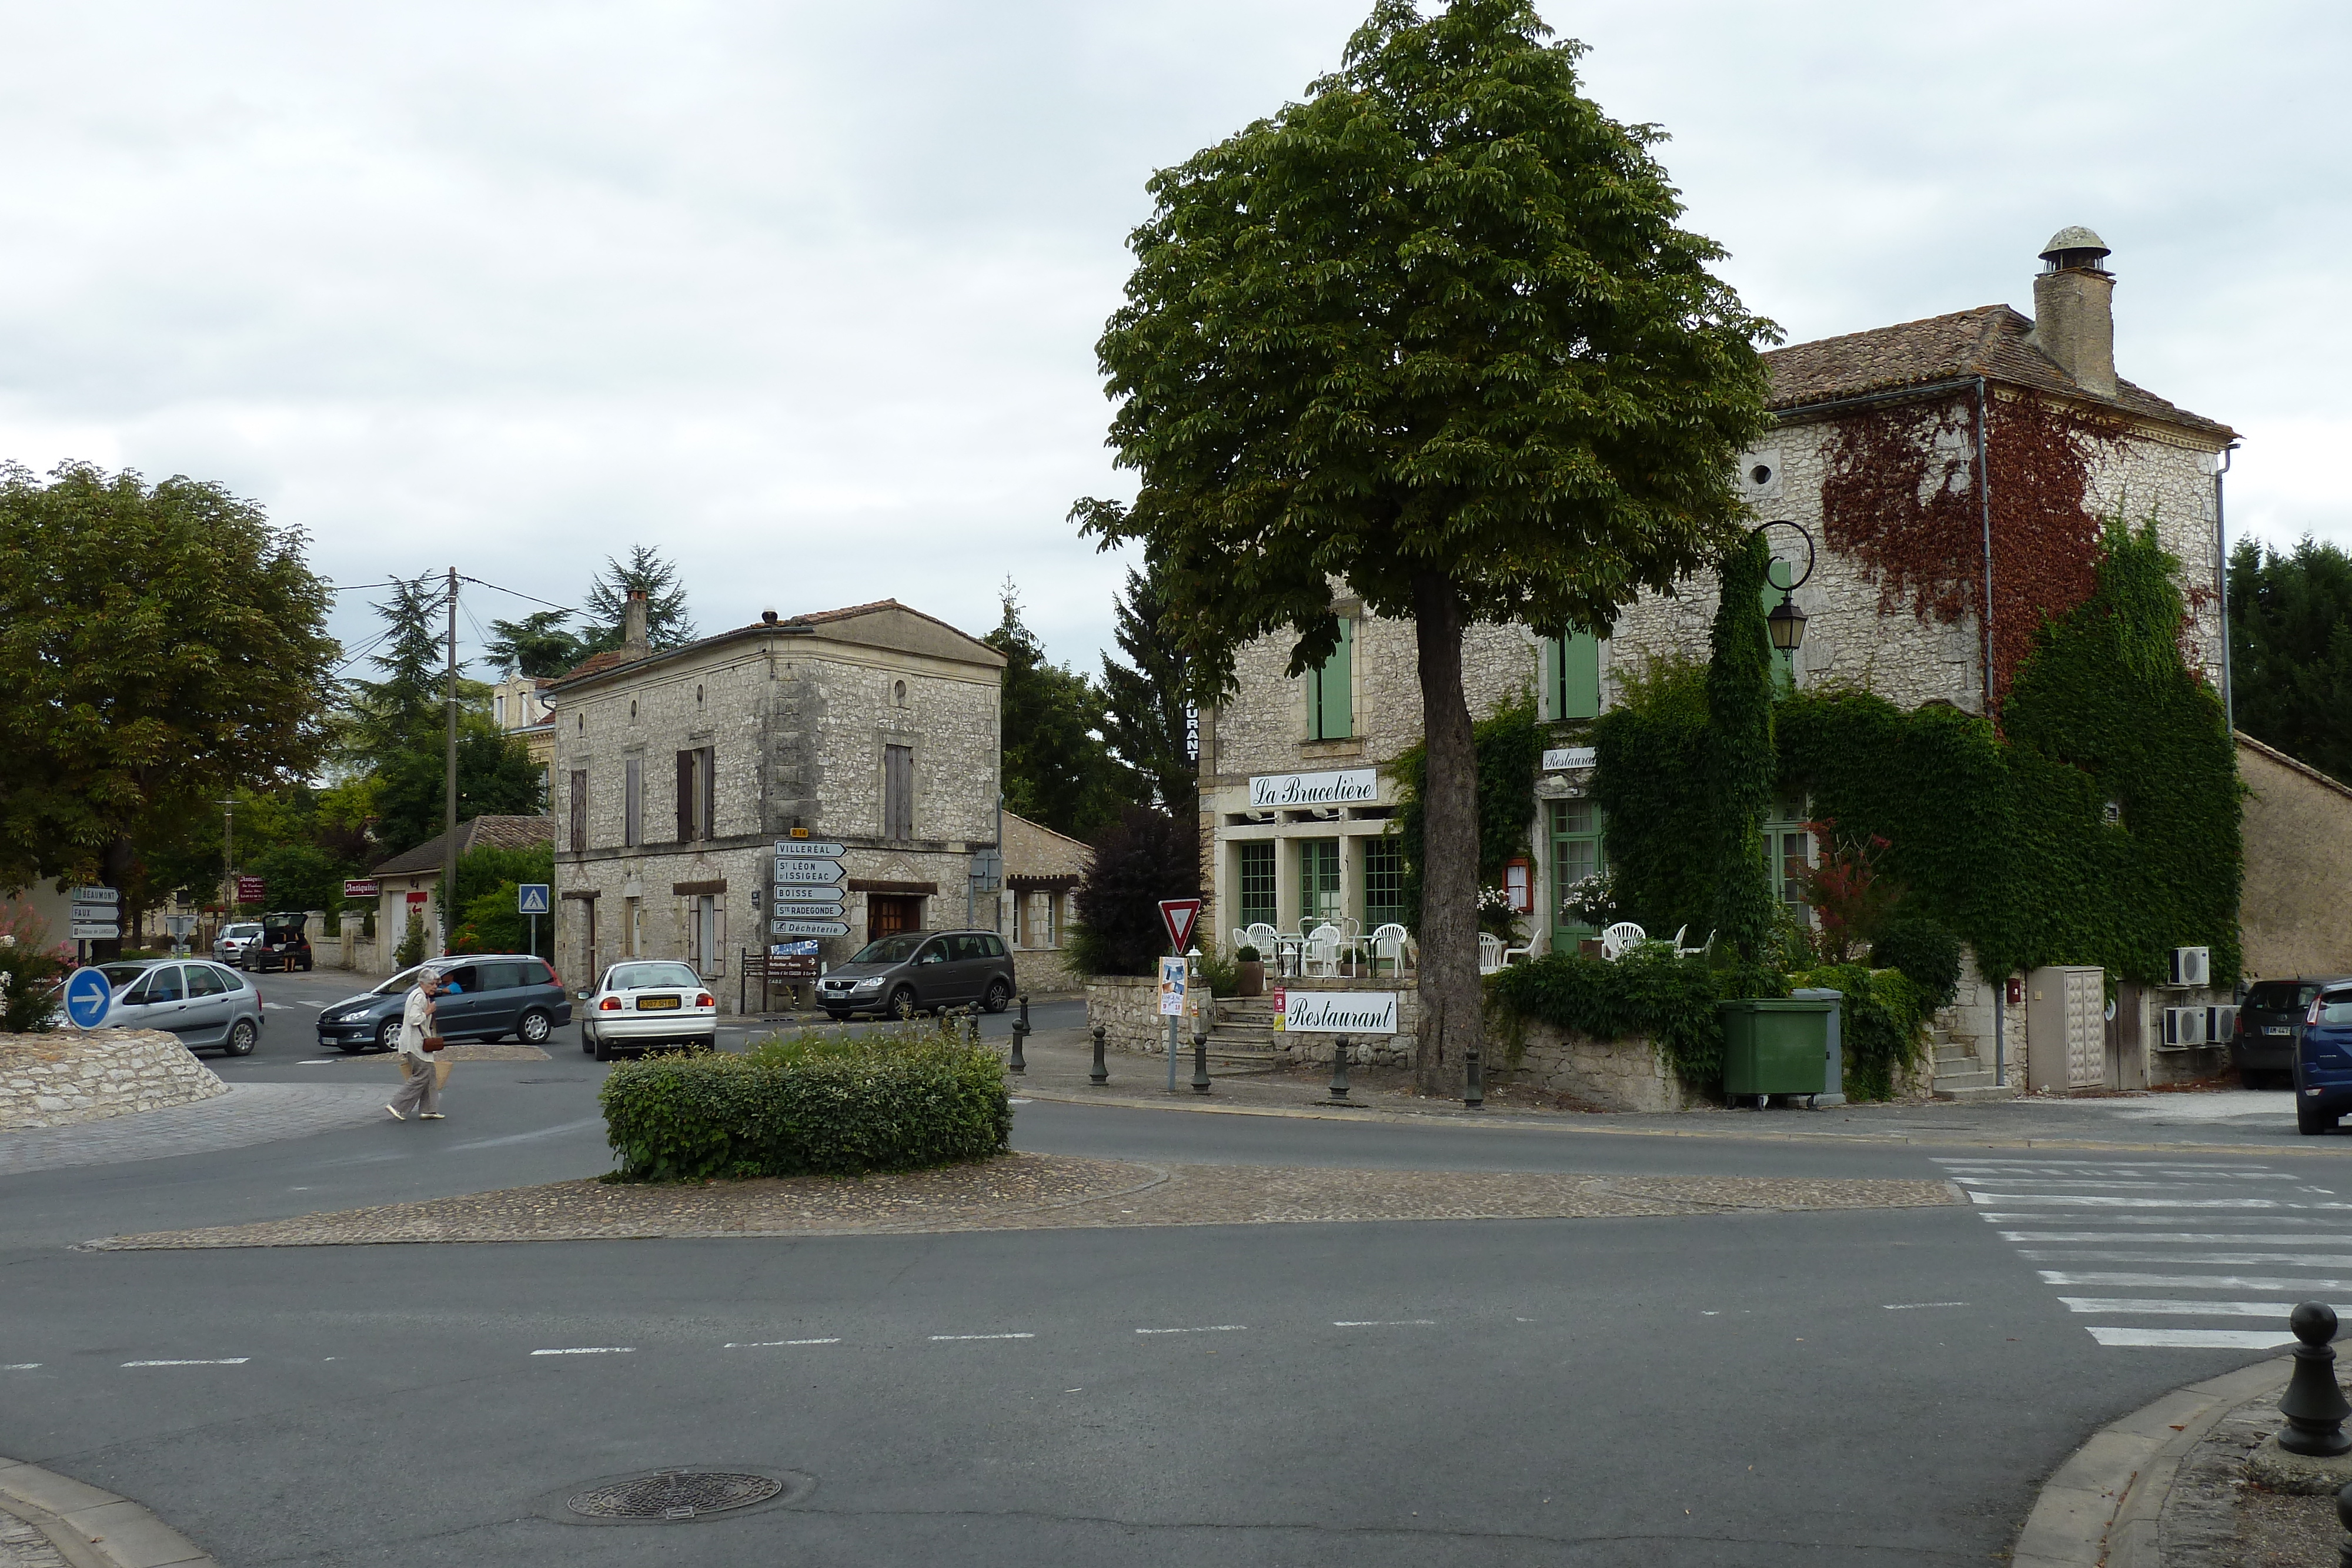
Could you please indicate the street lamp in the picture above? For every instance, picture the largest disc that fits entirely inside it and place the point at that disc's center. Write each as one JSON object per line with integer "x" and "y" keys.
{"x": 1786, "y": 623}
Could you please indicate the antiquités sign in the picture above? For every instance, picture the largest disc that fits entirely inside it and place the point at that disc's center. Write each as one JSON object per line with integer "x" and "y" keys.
{"x": 1354, "y": 786}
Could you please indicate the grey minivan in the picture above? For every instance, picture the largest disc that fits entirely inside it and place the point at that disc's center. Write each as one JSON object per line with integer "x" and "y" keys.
{"x": 492, "y": 995}
{"x": 916, "y": 971}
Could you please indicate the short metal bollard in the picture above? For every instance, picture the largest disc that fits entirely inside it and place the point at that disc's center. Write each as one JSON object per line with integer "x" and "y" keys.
{"x": 1200, "y": 1064}
{"x": 1101, "y": 1074}
{"x": 1340, "y": 1068}
{"x": 2313, "y": 1404}
{"x": 972, "y": 1028}
{"x": 1020, "y": 1034}
{"x": 1474, "y": 1079}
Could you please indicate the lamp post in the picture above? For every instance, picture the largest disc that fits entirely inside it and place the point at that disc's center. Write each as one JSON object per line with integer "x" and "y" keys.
{"x": 1785, "y": 621}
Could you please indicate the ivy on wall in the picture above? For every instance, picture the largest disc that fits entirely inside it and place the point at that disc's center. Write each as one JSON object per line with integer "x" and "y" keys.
{"x": 1739, "y": 749}
{"x": 1510, "y": 754}
{"x": 1650, "y": 752}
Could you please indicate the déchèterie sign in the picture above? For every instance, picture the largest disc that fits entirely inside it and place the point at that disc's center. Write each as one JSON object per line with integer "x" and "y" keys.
{"x": 807, "y": 929}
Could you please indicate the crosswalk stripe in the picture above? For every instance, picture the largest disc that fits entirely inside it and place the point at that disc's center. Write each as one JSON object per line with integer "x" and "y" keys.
{"x": 2187, "y": 1238}
{"x": 2276, "y": 1221}
{"x": 2071, "y": 1184}
{"x": 2065, "y": 1200}
{"x": 2195, "y": 1339}
{"x": 2239, "y": 1259}
{"x": 2129, "y": 1306}
{"x": 2193, "y": 1281}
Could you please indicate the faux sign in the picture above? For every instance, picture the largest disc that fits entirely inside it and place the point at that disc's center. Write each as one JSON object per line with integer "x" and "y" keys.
{"x": 1337, "y": 1012}
{"x": 793, "y": 961}
{"x": 249, "y": 890}
{"x": 1354, "y": 786}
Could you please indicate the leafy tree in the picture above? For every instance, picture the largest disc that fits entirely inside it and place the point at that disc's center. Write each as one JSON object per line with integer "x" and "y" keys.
{"x": 1138, "y": 861}
{"x": 667, "y": 625}
{"x": 395, "y": 714}
{"x": 486, "y": 870}
{"x": 496, "y": 777}
{"x": 1057, "y": 767}
{"x": 1433, "y": 333}
{"x": 538, "y": 645}
{"x": 2291, "y": 649}
{"x": 1148, "y": 717}
{"x": 159, "y": 646}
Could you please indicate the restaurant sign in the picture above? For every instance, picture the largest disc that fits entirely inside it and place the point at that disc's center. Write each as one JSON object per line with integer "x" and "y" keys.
{"x": 1337, "y": 1012}
{"x": 1560, "y": 758}
{"x": 1354, "y": 786}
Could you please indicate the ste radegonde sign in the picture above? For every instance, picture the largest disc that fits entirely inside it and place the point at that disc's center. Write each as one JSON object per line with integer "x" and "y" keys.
{"x": 1349, "y": 787}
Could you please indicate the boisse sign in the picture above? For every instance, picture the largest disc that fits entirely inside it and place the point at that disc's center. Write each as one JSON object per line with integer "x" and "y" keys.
{"x": 1337, "y": 1012}
{"x": 1353, "y": 786}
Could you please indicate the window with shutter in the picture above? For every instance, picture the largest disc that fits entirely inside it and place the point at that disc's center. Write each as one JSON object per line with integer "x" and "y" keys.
{"x": 578, "y": 809}
{"x": 1330, "y": 694}
{"x": 898, "y": 791}
{"x": 1574, "y": 675}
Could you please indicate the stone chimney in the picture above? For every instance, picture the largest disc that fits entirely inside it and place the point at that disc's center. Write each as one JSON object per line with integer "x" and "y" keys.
{"x": 633, "y": 627}
{"x": 2075, "y": 309}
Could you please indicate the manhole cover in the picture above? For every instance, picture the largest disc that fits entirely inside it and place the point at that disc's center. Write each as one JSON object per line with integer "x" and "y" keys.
{"x": 674, "y": 1494}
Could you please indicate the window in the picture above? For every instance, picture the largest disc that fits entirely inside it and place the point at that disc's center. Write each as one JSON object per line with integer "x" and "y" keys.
{"x": 578, "y": 809}
{"x": 1330, "y": 702}
{"x": 162, "y": 984}
{"x": 1054, "y": 919}
{"x": 1573, "y": 676}
{"x": 633, "y": 802}
{"x": 898, "y": 791}
{"x": 1257, "y": 884}
{"x": 703, "y": 933}
{"x": 205, "y": 981}
{"x": 698, "y": 795}
{"x": 1384, "y": 882}
{"x": 1787, "y": 851}
{"x": 1318, "y": 880}
{"x": 994, "y": 946}
{"x": 969, "y": 948}
{"x": 631, "y": 927}
{"x": 1576, "y": 853}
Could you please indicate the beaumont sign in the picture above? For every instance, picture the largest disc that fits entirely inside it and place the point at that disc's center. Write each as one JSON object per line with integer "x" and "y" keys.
{"x": 1355, "y": 786}
{"x": 1338, "y": 1012}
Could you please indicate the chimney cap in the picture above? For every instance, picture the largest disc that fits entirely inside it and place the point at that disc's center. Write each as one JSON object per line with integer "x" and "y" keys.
{"x": 767, "y": 617}
{"x": 2075, "y": 246}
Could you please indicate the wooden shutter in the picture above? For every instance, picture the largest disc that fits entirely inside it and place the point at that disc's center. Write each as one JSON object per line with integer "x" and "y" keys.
{"x": 1576, "y": 664}
{"x": 578, "y": 809}
{"x": 633, "y": 801}
{"x": 706, "y": 777}
{"x": 898, "y": 791}
{"x": 1331, "y": 691}
{"x": 686, "y": 792}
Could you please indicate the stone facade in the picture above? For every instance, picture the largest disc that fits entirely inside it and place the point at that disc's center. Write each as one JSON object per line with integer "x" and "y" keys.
{"x": 1128, "y": 1009}
{"x": 2298, "y": 848}
{"x": 1603, "y": 1074}
{"x": 1042, "y": 868}
{"x": 823, "y": 725}
{"x": 52, "y": 1080}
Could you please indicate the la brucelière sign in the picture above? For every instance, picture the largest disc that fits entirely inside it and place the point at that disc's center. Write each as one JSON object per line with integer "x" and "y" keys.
{"x": 1352, "y": 787}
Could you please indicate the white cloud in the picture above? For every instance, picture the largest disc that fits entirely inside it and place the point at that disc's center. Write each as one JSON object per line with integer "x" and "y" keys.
{"x": 806, "y": 295}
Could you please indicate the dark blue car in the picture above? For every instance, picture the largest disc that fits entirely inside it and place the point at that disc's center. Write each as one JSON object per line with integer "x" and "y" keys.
{"x": 2322, "y": 1062}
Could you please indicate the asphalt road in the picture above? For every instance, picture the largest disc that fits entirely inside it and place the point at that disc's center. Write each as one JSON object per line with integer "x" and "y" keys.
{"x": 1862, "y": 1386}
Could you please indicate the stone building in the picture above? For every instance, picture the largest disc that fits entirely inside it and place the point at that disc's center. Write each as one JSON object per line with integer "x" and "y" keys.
{"x": 1296, "y": 799}
{"x": 676, "y": 773}
{"x": 2299, "y": 836}
{"x": 523, "y": 708}
{"x": 1042, "y": 868}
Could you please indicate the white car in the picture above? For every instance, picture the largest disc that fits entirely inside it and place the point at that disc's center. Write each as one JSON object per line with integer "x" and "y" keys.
{"x": 229, "y": 946}
{"x": 648, "y": 1004}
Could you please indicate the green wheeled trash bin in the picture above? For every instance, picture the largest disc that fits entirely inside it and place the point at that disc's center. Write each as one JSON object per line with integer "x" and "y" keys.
{"x": 1775, "y": 1045}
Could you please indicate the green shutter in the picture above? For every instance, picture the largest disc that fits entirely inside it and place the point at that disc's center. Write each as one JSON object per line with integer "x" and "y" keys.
{"x": 1576, "y": 657}
{"x": 1330, "y": 691}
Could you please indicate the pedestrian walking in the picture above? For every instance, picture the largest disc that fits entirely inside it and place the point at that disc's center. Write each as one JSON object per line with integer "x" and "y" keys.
{"x": 421, "y": 1090}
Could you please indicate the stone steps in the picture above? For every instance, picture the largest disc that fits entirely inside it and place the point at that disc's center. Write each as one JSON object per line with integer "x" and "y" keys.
{"x": 1962, "y": 1074}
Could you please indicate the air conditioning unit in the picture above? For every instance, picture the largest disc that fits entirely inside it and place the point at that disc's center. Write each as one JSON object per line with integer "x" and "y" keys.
{"x": 2184, "y": 1027}
{"x": 2220, "y": 1024}
{"x": 2191, "y": 967}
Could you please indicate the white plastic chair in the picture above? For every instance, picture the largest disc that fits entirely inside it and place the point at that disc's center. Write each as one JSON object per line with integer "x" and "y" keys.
{"x": 1352, "y": 940}
{"x": 1490, "y": 952}
{"x": 1683, "y": 952}
{"x": 1322, "y": 953}
{"x": 1534, "y": 945}
{"x": 1618, "y": 939}
{"x": 1388, "y": 942}
{"x": 1241, "y": 939}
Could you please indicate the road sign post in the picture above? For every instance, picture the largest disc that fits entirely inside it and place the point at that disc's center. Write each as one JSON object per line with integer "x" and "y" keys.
{"x": 531, "y": 899}
{"x": 1179, "y": 915}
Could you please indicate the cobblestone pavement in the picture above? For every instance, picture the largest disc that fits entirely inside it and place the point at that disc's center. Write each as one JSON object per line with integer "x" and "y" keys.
{"x": 21, "y": 1546}
{"x": 248, "y": 1113}
{"x": 2215, "y": 1518}
{"x": 1028, "y": 1192}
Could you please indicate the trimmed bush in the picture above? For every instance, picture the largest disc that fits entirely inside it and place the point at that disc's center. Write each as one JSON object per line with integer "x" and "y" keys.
{"x": 810, "y": 1105}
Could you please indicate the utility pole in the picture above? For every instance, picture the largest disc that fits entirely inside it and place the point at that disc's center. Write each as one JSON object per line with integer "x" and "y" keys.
{"x": 449, "y": 785}
{"x": 228, "y": 860}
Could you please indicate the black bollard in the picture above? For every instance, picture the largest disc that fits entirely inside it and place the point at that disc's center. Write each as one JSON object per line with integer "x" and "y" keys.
{"x": 1101, "y": 1074}
{"x": 1200, "y": 1064}
{"x": 1020, "y": 1033}
{"x": 972, "y": 1028}
{"x": 1473, "y": 1080}
{"x": 1024, "y": 1012}
{"x": 2313, "y": 1406}
{"x": 1340, "y": 1068}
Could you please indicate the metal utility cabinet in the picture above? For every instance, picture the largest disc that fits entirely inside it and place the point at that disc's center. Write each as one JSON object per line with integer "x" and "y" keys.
{"x": 2066, "y": 1027}
{"x": 1778, "y": 1045}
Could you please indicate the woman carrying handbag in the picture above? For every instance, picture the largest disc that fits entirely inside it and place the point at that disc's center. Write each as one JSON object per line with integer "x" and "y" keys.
{"x": 420, "y": 1038}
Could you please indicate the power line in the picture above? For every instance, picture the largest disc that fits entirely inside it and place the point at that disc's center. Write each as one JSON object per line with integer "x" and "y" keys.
{"x": 355, "y": 587}
{"x": 519, "y": 593}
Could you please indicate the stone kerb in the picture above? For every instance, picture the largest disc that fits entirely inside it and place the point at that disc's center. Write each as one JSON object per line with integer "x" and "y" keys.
{"x": 51, "y": 1080}
{"x": 1627, "y": 1074}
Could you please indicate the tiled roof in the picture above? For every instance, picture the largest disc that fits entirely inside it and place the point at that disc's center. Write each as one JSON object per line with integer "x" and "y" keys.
{"x": 1989, "y": 340}
{"x": 474, "y": 833}
{"x": 614, "y": 658}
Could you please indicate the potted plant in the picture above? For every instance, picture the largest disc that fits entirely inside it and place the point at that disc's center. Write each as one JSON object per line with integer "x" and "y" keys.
{"x": 1249, "y": 972}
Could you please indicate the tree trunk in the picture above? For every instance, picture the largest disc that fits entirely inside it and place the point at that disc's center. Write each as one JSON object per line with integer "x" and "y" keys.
{"x": 116, "y": 867}
{"x": 1452, "y": 1017}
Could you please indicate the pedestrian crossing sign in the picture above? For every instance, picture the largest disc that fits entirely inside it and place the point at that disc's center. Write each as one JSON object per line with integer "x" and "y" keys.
{"x": 530, "y": 898}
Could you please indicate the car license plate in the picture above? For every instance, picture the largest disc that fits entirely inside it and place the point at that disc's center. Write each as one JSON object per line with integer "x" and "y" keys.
{"x": 2278, "y": 1029}
{"x": 655, "y": 1003}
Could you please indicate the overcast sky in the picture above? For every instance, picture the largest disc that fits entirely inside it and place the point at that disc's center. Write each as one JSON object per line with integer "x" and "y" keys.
{"x": 805, "y": 295}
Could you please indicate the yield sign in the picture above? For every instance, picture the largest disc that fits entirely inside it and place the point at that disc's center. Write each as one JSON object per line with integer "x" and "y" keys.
{"x": 1180, "y": 915}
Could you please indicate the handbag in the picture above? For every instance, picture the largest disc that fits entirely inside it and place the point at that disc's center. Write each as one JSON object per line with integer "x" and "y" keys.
{"x": 433, "y": 1042}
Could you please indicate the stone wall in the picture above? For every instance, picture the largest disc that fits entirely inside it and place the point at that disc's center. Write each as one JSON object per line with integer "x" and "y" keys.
{"x": 1128, "y": 1007}
{"x": 2298, "y": 846}
{"x": 1605, "y": 1074}
{"x": 51, "y": 1080}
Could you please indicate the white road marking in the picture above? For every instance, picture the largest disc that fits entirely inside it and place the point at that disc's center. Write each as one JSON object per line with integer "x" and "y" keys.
{"x": 2282, "y": 1221}
{"x": 2077, "y": 1184}
{"x": 225, "y": 1360}
{"x": 2153, "y": 1307}
{"x": 1016, "y": 1100}
{"x": 772, "y": 1343}
{"x": 1915, "y": 1306}
{"x": 2195, "y": 1339}
{"x": 1387, "y": 1323}
{"x": 591, "y": 1350}
{"x": 2193, "y": 1281}
{"x": 2067, "y": 1200}
{"x": 1211, "y": 1328}
{"x": 2238, "y": 1258}
{"x": 316, "y": 1061}
{"x": 21, "y": 1367}
{"x": 2187, "y": 1238}
{"x": 965, "y": 1336}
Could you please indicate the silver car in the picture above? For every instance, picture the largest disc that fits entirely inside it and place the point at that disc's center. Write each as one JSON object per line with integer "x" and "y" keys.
{"x": 209, "y": 1006}
{"x": 234, "y": 939}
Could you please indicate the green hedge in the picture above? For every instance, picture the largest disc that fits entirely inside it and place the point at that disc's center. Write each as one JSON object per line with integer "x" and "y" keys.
{"x": 814, "y": 1105}
{"x": 1882, "y": 1024}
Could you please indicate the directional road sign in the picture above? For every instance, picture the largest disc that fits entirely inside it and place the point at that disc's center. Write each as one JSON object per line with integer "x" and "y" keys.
{"x": 530, "y": 898}
{"x": 789, "y": 910}
{"x": 92, "y": 930}
{"x": 809, "y": 848}
{"x": 87, "y": 996}
{"x": 1180, "y": 915}
{"x": 808, "y": 871}
{"x": 97, "y": 896}
{"x": 807, "y": 929}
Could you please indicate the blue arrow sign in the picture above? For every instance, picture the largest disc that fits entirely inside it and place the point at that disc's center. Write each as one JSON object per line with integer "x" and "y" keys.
{"x": 530, "y": 898}
{"x": 87, "y": 996}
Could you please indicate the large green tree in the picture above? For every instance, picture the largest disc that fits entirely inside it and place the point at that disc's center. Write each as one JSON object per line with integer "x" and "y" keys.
{"x": 1056, "y": 767}
{"x": 2291, "y": 649}
{"x": 538, "y": 645}
{"x": 160, "y": 645}
{"x": 1147, "y": 709}
{"x": 1434, "y": 333}
{"x": 667, "y": 625}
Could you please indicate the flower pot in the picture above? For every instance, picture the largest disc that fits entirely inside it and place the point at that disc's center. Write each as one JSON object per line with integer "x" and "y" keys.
{"x": 1251, "y": 977}
{"x": 1589, "y": 947}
